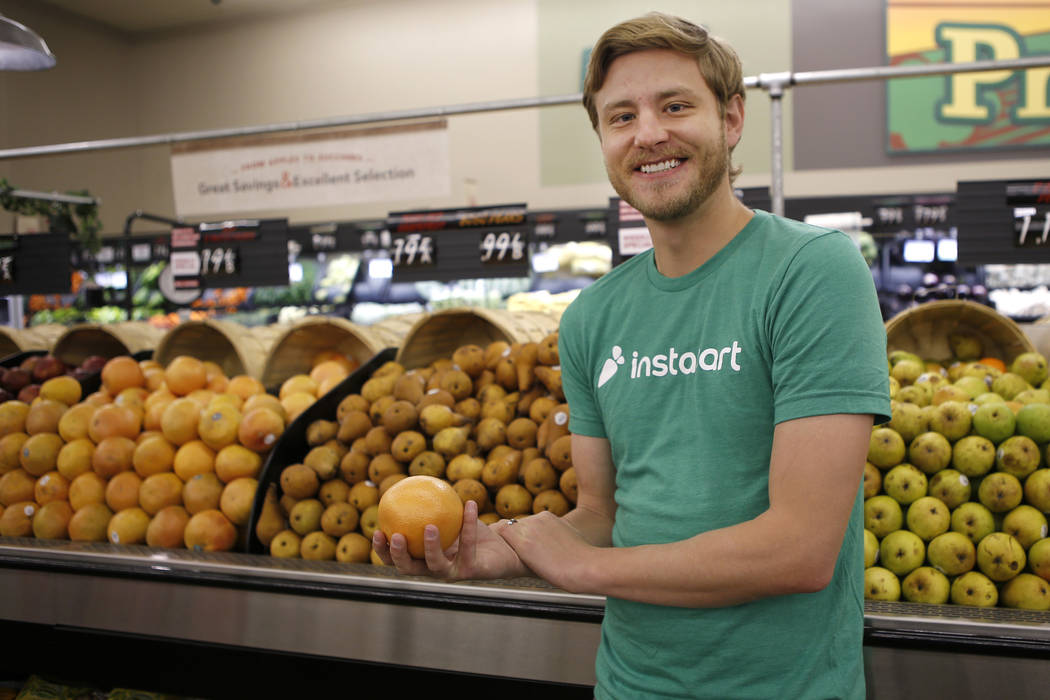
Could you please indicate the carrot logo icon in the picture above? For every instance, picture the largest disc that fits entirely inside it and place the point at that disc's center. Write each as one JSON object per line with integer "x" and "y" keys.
{"x": 611, "y": 365}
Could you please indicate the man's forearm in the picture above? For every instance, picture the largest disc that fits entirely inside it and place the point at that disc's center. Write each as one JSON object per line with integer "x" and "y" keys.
{"x": 593, "y": 525}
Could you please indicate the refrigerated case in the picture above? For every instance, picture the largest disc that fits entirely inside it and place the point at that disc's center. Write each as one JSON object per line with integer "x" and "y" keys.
{"x": 242, "y": 625}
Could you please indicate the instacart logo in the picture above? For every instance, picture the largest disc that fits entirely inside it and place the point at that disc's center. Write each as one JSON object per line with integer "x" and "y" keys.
{"x": 672, "y": 363}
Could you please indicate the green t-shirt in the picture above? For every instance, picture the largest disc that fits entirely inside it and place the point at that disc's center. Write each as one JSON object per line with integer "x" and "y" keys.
{"x": 687, "y": 377}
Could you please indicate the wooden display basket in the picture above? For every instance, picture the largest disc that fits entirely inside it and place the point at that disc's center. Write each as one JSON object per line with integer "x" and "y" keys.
{"x": 295, "y": 346}
{"x": 438, "y": 334}
{"x": 924, "y": 330}
{"x": 83, "y": 340}
{"x": 236, "y": 348}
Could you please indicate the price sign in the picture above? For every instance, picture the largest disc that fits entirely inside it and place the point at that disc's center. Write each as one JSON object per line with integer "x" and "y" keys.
{"x": 1003, "y": 222}
{"x": 1031, "y": 225}
{"x": 413, "y": 250}
{"x": 37, "y": 263}
{"x": 219, "y": 261}
{"x": 502, "y": 247}
{"x": 7, "y": 269}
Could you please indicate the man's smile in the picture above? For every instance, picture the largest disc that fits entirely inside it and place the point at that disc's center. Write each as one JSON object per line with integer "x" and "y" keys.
{"x": 660, "y": 166}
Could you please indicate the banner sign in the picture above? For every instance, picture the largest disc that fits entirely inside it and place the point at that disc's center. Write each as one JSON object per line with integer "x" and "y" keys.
{"x": 311, "y": 169}
{"x": 964, "y": 111}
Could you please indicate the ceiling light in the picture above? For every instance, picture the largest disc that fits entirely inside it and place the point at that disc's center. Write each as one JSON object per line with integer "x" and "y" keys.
{"x": 21, "y": 48}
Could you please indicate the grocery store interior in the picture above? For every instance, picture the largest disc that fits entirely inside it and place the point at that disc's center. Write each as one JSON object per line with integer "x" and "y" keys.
{"x": 253, "y": 182}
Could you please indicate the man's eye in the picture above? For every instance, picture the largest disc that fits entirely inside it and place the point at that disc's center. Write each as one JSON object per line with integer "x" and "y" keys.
{"x": 676, "y": 107}
{"x": 622, "y": 118}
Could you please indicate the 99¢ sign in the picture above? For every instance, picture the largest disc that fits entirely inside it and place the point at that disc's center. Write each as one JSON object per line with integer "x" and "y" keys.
{"x": 503, "y": 247}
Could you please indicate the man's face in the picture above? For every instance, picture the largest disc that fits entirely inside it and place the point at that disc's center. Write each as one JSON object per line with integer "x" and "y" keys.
{"x": 663, "y": 139}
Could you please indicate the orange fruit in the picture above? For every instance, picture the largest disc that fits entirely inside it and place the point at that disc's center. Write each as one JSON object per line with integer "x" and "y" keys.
{"x": 259, "y": 429}
{"x": 113, "y": 456}
{"x": 185, "y": 374}
{"x": 13, "y": 417}
{"x": 236, "y": 461}
{"x": 133, "y": 397}
{"x": 415, "y": 502}
{"x": 297, "y": 383}
{"x": 87, "y": 488}
{"x": 154, "y": 377}
{"x": 179, "y": 420}
{"x": 74, "y": 423}
{"x": 51, "y": 487}
{"x": 993, "y": 362}
{"x": 122, "y": 491}
{"x": 153, "y": 455}
{"x": 40, "y": 453}
{"x": 121, "y": 372}
{"x": 74, "y": 458}
{"x": 11, "y": 451}
{"x": 218, "y": 424}
{"x": 114, "y": 420}
{"x": 264, "y": 401}
{"x": 327, "y": 370}
{"x": 160, "y": 491}
{"x": 64, "y": 389}
{"x": 244, "y": 385}
{"x": 192, "y": 459}
{"x": 296, "y": 402}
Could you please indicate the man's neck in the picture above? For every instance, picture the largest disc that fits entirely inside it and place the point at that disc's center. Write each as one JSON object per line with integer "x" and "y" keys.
{"x": 683, "y": 245}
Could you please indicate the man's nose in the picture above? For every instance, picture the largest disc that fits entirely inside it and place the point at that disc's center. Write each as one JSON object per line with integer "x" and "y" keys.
{"x": 650, "y": 130}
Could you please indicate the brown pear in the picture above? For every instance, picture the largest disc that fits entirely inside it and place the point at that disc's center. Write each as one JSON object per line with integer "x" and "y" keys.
{"x": 539, "y": 475}
{"x": 427, "y": 463}
{"x": 490, "y": 433}
{"x": 351, "y": 402}
{"x": 339, "y": 519}
{"x": 407, "y": 445}
{"x": 354, "y": 466}
{"x": 470, "y": 358}
{"x": 382, "y": 466}
{"x": 521, "y": 433}
{"x": 436, "y": 396}
{"x": 464, "y": 466}
{"x": 567, "y": 484}
{"x": 560, "y": 453}
{"x": 270, "y": 521}
{"x": 472, "y": 490}
{"x": 495, "y": 351}
{"x": 547, "y": 354}
{"x": 334, "y": 491}
{"x": 552, "y": 500}
{"x": 410, "y": 387}
{"x": 323, "y": 460}
{"x": 378, "y": 408}
{"x": 513, "y": 500}
{"x": 451, "y": 441}
{"x": 321, "y": 431}
{"x": 299, "y": 481}
{"x": 354, "y": 424}
{"x": 399, "y": 416}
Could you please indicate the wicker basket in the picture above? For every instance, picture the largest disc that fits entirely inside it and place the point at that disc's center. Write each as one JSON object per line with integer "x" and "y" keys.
{"x": 924, "y": 330}
{"x": 438, "y": 334}
{"x": 106, "y": 339}
{"x": 236, "y": 348}
{"x": 41, "y": 337}
{"x": 293, "y": 350}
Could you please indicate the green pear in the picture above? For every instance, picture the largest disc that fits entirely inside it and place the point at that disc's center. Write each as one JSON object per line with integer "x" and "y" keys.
{"x": 994, "y": 420}
{"x": 895, "y": 386}
{"x": 965, "y": 345}
{"x": 926, "y": 585}
{"x": 988, "y": 397}
{"x": 1008, "y": 385}
{"x": 881, "y": 584}
{"x": 1033, "y": 396}
{"x": 950, "y": 418}
{"x": 882, "y": 515}
{"x": 949, "y": 392}
{"x": 973, "y": 455}
{"x": 934, "y": 380}
{"x": 973, "y": 520}
{"x": 985, "y": 373}
{"x": 904, "y": 484}
{"x": 928, "y": 517}
{"x": 886, "y": 448}
{"x": 951, "y": 486}
{"x": 895, "y": 356}
{"x": 1037, "y": 490}
{"x": 1000, "y": 556}
{"x": 907, "y": 371}
{"x": 1026, "y": 592}
{"x": 872, "y": 480}
{"x": 918, "y": 395}
{"x": 1000, "y": 492}
{"x": 1031, "y": 366}
{"x": 1018, "y": 456}
{"x": 975, "y": 589}
{"x": 902, "y": 552}
{"x": 930, "y": 452}
{"x": 1025, "y": 523}
{"x": 908, "y": 419}
{"x": 973, "y": 386}
{"x": 1039, "y": 558}
{"x": 951, "y": 553}
{"x": 871, "y": 548}
{"x": 1033, "y": 420}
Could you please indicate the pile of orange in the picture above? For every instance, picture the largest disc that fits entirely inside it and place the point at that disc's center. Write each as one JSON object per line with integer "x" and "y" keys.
{"x": 167, "y": 456}
{"x": 490, "y": 424}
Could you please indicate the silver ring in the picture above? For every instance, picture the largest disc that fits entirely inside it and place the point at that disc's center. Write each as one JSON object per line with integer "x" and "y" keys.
{"x": 511, "y": 521}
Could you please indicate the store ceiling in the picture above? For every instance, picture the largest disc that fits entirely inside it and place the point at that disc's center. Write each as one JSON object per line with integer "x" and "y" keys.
{"x": 148, "y": 16}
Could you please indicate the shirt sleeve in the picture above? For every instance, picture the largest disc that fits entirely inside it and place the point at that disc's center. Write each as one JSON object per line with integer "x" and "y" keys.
{"x": 827, "y": 334}
{"x": 577, "y": 381}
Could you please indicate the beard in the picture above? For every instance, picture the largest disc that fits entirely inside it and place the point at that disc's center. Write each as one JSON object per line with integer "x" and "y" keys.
{"x": 660, "y": 202}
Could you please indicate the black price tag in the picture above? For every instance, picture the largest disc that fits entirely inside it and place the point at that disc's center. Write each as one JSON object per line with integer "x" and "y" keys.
{"x": 219, "y": 261}
{"x": 7, "y": 268}
{"x": 1031, "y": 225}
{"x": 889, "y": 216}
{"x": 502, "y": 247}
{"x": 413, "y": 250}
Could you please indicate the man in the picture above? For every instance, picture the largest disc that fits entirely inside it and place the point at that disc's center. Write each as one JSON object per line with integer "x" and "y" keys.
{"x": 722, "y": 389}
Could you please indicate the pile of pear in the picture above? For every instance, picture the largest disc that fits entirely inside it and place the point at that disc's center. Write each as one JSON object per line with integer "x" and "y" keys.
{"x": 957, "y": 483}
{"x": 490, "y": 420}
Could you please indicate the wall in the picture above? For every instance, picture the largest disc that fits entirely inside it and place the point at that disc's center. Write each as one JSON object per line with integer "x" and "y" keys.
{"x": 363, "y": 56}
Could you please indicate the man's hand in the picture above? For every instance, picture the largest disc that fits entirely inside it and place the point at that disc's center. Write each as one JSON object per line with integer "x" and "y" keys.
{"x": 479, "y": 553}
{"x": 551, "y": 547}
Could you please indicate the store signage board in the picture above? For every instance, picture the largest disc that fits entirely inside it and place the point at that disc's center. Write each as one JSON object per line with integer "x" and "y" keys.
{"x": 27, "y": 264}
{"x": 966, "y": 111}
{"x": 632, "y": 235}
{"x": 236, "y": 253}
{"x": 470, "y": 243}
{"x": 308, "y": 169}
{"x": 1004, "y": 221}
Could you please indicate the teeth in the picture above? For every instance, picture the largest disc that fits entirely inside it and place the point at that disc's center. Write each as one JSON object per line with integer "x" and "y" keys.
{"x": 660, "y": 167}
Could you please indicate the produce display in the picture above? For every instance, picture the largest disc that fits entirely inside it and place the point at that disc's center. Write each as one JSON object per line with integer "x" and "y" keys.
{"x": 23, "y": 381}
{"x": 957, "y": 483}
{"x": 491, "y": 422}
{"x": 165, "y": 456}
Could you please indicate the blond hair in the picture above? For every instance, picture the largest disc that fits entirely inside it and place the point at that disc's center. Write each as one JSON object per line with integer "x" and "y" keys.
{"x": 719, "y": 64}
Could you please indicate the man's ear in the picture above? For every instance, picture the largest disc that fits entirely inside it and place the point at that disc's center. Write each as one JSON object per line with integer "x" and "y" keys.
{"x": 734, "y": 120}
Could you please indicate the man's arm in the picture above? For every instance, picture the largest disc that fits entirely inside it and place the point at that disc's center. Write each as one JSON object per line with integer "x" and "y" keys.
{"x": 595, "y": 508}
{"x": 814, "y": 477}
